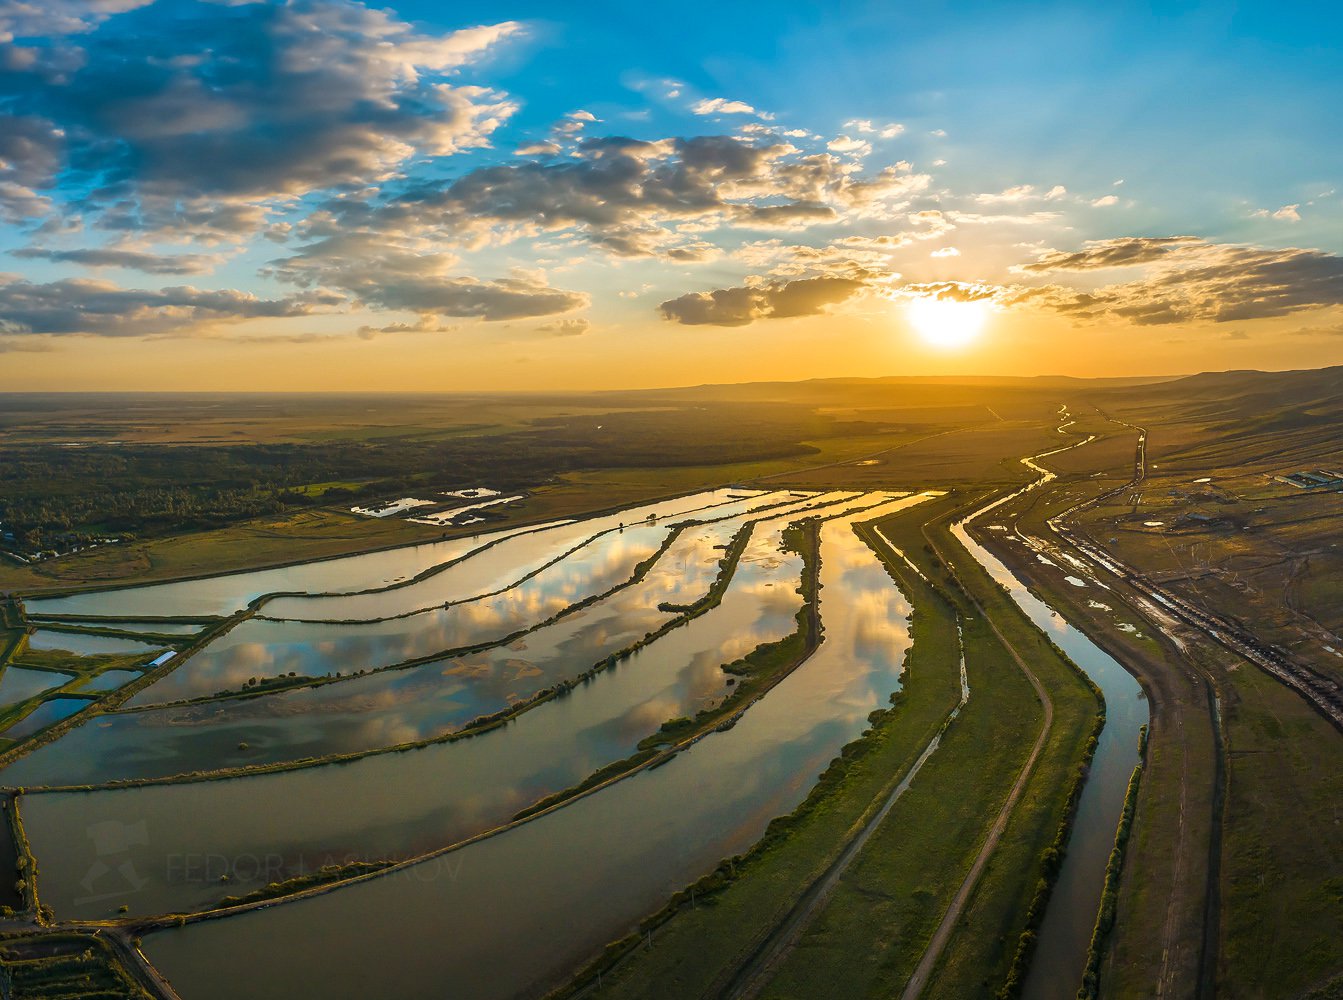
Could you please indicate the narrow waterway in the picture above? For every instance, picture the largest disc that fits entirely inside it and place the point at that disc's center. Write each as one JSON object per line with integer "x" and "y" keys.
{"x": 1063, "y": 938}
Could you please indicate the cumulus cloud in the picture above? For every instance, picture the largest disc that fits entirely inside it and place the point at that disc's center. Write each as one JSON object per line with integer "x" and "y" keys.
{"x": 866, "y": 127}
{"x": 544, "y": 148}
{"x": 723, "y": 106}
{"x": 388, "y": 276}
{"x": 1105, "y": 201}
{"x": 769, "y": 300}
{"x": 847, "y": 144}
{"x": 82, "y": 305}
{"x": 284, "y": 99}
{"x": 1188, "y": 279}
{"x": 945, "y": 252}
{"x": 637, "y": 197}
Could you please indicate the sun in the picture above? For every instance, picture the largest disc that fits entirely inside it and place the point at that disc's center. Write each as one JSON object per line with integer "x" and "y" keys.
{"x": 947, "y": 323}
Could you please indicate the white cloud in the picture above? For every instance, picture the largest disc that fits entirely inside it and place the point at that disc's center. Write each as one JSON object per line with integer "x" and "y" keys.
{"x": 1105, "y": 201}
{"x": 866, "y": 127}
{"x": 847, "y": 144}
{"x": 945, "y": 252}
{"x": 723, "y": 106}
{"x": 1288, "y": 213}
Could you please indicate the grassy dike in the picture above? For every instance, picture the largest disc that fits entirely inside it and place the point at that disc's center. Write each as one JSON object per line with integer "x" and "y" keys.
{"x": 874, "y": 929}
{"x": 700, "y": 939}
{"x": 1105, "y": 915}
{"x": 994, "y": 939}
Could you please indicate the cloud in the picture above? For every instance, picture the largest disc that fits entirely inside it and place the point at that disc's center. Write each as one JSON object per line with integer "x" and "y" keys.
{"x": 425, "y": 324}
{"x": 723, "y": 106}
{"x": 283, "y": 100}
{"x": 566, "y": 327}
{"x": 1105, "y": 201}
{"x": 846, "y": 144}
{"x": 1288, "y": 213}
{"x": 771, "y": 300}
{"x": 1188, "y": 279}
{"x": 136, "y": 260}
{"x": 636, "y": 197}
{"x": 1124, "y": 252}
{"x": 945, "y": 252}
{"x": 401, "y": 277}
{"x": 546, "y": 148}
{"x": 866, "y": 127}
{"x": 30, "y": 153}
{"x": 82, "y": 305}
{"x": 1021, "y": 193}
{"x": 54, "y": 18}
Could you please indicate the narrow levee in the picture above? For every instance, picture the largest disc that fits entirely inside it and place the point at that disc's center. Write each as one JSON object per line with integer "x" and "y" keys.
{"x": 1061, "y": 945}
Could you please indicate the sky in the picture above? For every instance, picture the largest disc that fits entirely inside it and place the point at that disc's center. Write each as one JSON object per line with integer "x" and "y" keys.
{"x": 326, "y": 195}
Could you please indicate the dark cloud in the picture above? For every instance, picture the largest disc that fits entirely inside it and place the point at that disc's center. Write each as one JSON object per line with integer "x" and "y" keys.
{"x": 1188, "y": 279}
{"x": 30, "y": 151}
{"x": 81, "y": 305}
{"x": 1124, "y": 252}
{"x": 771, "y": 300}
{"x": 219, "y": 103}
{"x": 136, "y": 260}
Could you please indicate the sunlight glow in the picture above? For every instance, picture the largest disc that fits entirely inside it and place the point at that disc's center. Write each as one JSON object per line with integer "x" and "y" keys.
{"x": 947, "y": 323}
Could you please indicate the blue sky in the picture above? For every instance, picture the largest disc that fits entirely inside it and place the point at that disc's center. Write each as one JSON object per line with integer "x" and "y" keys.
{"x": 530, "y": 195}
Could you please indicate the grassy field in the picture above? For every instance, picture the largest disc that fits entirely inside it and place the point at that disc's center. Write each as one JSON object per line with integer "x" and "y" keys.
{"x": 1282, "y": 860}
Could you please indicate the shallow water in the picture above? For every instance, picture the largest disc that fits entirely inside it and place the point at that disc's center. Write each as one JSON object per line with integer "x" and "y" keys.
{"x": 44, "y": 715}
{"x": 270, "y": 827}
{"x": 505, "y": 563}
{"x": 87, "y": 645}
{"x": 382, "y": 709}
{"x": 501, "y": 913}
{"x": 110, "y": 680}
{"x": 19, "y": 684}
{"x": 262, "y": 648}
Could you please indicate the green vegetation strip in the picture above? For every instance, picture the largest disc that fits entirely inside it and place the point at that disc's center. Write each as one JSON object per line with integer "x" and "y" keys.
{"x": 26, "y": 864}
{"x": 64, "y": 966}
{"x": 1105, "y": 914}
{"x": 1008, "y": 904}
